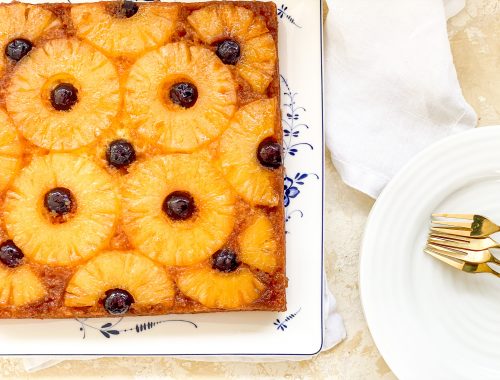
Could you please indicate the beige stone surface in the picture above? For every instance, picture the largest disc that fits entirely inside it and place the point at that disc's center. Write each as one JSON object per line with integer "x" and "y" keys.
{"x": 475, "y": 40}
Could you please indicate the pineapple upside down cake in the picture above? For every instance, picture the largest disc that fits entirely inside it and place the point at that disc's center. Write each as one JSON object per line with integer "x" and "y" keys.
{"x": 140, "y": 159}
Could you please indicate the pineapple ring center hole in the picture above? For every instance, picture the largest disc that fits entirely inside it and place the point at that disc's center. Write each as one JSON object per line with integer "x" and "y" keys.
{"x": 179, "y": 205}
{"x": 60, "y": 204}
{"x": 61, "y": 92}
{"x": 180, "y": 94}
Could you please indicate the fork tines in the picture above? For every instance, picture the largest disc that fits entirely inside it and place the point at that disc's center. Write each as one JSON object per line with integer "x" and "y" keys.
{"x": 453, "y": 216}
{"x": 443, "y": 220}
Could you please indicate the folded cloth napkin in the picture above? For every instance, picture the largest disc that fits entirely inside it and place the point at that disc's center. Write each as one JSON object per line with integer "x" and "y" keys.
{"x": 391, "y": 86}
{"x": 333, "y": 333}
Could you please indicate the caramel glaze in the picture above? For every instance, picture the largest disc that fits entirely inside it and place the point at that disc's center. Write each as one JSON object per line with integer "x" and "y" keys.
{"x": 56, "y": 278}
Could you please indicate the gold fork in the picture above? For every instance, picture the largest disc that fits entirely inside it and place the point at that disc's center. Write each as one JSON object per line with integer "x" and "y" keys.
{"x": 476, "y": 226}
{"x": 463, "y": 265}
{"x": 454, "y": 241}
{"x": 473, "y": 257}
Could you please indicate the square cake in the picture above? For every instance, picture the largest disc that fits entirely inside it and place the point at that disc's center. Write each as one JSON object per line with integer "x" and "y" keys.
{"x": 140, "y": 159}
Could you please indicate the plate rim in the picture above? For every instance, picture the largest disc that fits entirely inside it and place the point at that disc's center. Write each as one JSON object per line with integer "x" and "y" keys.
{"x": 382, "y": 345}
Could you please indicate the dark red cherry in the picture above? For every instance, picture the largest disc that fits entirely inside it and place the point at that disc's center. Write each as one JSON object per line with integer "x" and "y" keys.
{"x": 269, "y": 153}
{"x": 18, "y": 48}
{"x": 117, "y": 301}
{"x": 179, "y": 205}
{"x": 59, "y": 201}
{"x": 228, "y": 51}
{"x": 127, "y": 9}
{"x": 225, "y": 260}
{"x": 120, "y": 153}
{"x": 184, "y": 94}
{"x": 10, "y": 254}
{"x": 64, "y": 96}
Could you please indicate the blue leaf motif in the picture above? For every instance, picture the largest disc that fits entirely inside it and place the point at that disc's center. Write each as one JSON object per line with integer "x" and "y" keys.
{"x": 282, "y": 325}
{"x": 110, "y": 329}
{"x": 293, "y": 127}
{"x": 281, "y": 10}
{"x": 282, "y": 13}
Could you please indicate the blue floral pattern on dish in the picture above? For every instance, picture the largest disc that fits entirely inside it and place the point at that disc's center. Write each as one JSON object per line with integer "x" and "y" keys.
{"x": 110, "y": 329}
{"x": 292, "y": 185}
{"x": 292, "y": 125}
{"x": 282, "y": 12}
{"x": 282, "y": 325}
{"x": 293, "y": 129}
{"x": 290, "y": 190}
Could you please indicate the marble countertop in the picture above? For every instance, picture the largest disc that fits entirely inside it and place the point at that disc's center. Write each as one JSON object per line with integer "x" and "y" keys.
{"x": 475, "y": 41}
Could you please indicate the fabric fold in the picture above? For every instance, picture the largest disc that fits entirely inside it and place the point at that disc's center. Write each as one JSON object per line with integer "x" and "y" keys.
{"x": 391, "y": 86}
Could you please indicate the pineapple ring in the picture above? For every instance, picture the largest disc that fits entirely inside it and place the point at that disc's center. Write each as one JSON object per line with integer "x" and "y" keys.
{"x": 177, "y": 242}
{"x": 251, "y": 124}
{"x": 220, "y": 290}
{"x": 10, "y": 151}
{"x": 23, "y": 21}
{"x": 258, "y": 245}
{"x": 148, "y": 282}
{"x": 85, "y": 232}
{"x": 125, "y": 36}
{"x": 20, "y": 286}
{"x": 169, "y": 126}
{"x": 258, "y": 55}
{"x": 98, "y": 95}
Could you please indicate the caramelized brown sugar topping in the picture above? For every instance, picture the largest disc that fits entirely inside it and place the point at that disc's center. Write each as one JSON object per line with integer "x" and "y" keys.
{"x": 140, "y": 159}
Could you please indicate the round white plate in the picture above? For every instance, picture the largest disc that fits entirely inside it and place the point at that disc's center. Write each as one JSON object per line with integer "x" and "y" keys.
{"x": 431, "y": 321}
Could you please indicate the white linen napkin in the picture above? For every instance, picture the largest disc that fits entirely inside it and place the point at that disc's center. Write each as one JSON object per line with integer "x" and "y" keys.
{"x": 391, "y": 86}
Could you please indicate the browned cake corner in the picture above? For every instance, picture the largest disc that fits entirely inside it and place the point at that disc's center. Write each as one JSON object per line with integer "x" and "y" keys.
{"x": 140, "y": 159}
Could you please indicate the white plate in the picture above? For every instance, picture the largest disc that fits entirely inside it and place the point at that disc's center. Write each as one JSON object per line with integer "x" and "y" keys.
{"x": 431, "y": 321}
{"x": 295, "y": 332}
